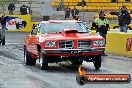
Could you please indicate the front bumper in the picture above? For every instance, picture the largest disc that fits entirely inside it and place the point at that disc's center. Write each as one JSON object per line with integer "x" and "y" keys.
{"x": 73, "y": 52}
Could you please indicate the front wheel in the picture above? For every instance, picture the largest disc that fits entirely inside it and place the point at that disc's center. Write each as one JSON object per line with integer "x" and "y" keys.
{"x": 43, "y": 61}
{"x": 97, "y": 61}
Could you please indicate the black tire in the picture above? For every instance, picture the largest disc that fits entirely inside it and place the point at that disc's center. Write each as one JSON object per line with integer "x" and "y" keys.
{"x": 28, "y": 59}
{"x": 3, "y": 40}
{"x": 43, "y": 61}
{"x": 97, "y": 61}
{"x": 77, "y": 62}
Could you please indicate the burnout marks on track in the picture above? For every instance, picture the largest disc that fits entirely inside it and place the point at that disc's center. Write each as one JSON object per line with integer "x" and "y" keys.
{"x": 12, "y": 52}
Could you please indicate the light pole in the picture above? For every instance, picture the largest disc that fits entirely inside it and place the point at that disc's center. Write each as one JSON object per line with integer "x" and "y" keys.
{"x": 30, "y": 6}
{"x": 82, "y": 4}
{"x": 3, "y": 7}
{"x": 83, "y": 14}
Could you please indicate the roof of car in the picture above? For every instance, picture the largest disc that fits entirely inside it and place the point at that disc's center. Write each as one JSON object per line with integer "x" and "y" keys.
{"x": 61, "y": 21}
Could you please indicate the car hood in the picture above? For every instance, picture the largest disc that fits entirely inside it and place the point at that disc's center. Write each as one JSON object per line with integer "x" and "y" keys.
{"x": 59, "y": 36}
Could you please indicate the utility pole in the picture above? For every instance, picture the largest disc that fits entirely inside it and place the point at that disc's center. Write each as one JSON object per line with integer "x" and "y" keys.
{"x": 83, "y": 14}
{"x": 82, "y": 4}
{"x": 30, "y": 6}
{"x": 3, "y": 6}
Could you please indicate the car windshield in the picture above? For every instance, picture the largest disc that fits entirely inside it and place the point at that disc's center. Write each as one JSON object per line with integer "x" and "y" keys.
{"x": 59, "y": 27}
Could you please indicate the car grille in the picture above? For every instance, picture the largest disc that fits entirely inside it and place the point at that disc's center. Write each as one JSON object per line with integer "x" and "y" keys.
{"x": 67, "y": 44}
{"x": 82, "y": 44}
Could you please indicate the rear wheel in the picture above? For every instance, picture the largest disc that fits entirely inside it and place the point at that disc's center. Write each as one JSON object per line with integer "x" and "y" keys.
{"x": 28, "y": 59}
{"x": 97, "y": 62}
{"x": 43, "y": 61}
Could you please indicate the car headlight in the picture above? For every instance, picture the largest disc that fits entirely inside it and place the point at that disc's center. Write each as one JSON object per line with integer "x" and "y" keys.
{"x": 50, "y": 44}
{"x": 99, "y": 42}
{"x": 102, "y": 42}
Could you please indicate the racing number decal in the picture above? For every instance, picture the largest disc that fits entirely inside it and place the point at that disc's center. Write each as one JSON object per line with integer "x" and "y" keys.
{"x": 129, "y": 44}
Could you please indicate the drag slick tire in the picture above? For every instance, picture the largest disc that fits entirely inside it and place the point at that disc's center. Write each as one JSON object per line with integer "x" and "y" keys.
{"x": 28, "y": 59}
{"x": 97, "y": 61}
{"x": 43, "y": 61}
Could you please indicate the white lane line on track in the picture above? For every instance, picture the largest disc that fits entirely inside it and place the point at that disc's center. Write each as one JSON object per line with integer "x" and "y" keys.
{"x": 120, "y": 57}
{"x": 12, "y": 43}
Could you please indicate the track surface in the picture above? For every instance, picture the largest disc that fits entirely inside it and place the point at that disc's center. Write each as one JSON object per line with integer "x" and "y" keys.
{"x": 15, "y": 74}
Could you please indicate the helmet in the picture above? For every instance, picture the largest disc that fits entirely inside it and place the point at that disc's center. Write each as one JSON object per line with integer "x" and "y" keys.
{"x": 102, "y": 12}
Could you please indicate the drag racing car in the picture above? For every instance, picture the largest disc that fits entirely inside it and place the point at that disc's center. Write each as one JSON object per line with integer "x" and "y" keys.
{"x": 62, "y": 40}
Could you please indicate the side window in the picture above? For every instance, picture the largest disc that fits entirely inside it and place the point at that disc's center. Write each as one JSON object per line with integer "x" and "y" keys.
{"x": 39, "y": 27}
{"x": 34, "y": 29}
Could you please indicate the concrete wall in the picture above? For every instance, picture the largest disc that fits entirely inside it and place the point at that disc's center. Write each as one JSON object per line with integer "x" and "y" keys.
{"x": 19, "y": 23}
{"x": 119, "y": 43}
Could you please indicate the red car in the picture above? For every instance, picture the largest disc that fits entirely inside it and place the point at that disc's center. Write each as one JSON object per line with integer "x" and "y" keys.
{"x": 62, "y": 40}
